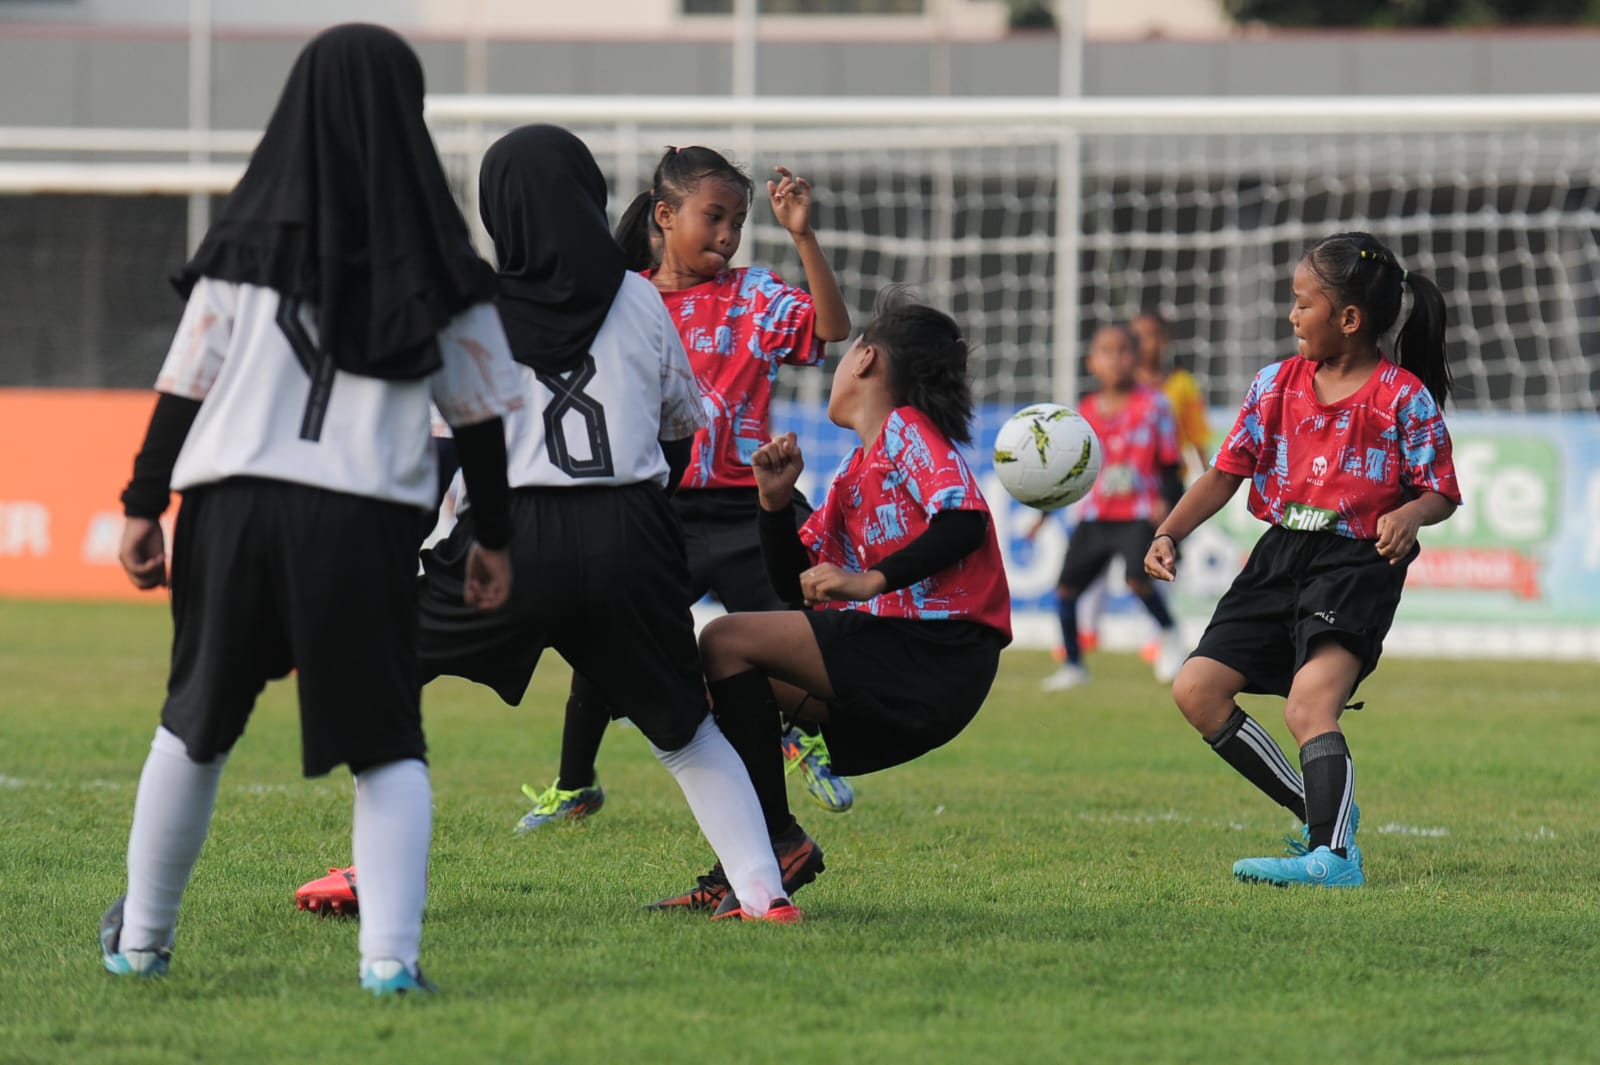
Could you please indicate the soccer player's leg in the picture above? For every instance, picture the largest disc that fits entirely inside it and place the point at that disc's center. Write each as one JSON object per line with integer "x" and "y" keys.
{"x": 1088, "y": 552}
{"x": 1134, "y": 540}
{"x": 351, "y": 620}
{"x": 227, "y": 641}
{"x": 576, "y": 792}
{"x": 1321, "y": 687}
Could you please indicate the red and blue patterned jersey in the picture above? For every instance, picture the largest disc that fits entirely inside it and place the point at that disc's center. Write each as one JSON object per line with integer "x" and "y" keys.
{"x": 883, "y": 498}
{"x": 1136, "y": 442}
{"x": 1338, "y": 467}
{"x": 738, "y": 328}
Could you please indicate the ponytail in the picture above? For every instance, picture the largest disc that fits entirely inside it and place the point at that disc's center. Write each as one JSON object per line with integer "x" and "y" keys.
{"x": 1358, "y": 270}
{"x": 927, "y": 358}
{"x": 1420, "y": 345}
{"x": 635, "y": 232}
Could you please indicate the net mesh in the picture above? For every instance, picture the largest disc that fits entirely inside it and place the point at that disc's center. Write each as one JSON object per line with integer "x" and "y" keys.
{"x": 1204, "y": 229}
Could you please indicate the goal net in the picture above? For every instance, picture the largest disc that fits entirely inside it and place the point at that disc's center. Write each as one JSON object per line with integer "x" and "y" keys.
{"x": 1032, "y": 221}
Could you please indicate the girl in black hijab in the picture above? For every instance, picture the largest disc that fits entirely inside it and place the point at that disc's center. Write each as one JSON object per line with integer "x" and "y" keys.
{"x": 335, "y": 299}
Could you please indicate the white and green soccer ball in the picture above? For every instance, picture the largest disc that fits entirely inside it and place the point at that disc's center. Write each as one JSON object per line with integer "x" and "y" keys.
{"x": 1047, "y": 456}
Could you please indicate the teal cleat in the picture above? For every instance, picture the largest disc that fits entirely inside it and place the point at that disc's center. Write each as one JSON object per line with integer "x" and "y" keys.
{"x": 1320, "y": 868}
{"x": 553, "y": 804}
{"x": 120, "y": 962}
{"x": 1299, "y": 845}
{"x": 389, "y": 977}
{"x": 809, "y": 754}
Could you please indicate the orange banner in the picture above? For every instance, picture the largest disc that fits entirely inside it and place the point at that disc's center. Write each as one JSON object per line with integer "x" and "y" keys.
{"x": 65, "y": 456}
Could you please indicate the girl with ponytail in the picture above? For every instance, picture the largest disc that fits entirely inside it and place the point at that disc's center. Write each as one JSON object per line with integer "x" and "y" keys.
{"x": 1347, "y": 455}
{"x": 899, "y": 570}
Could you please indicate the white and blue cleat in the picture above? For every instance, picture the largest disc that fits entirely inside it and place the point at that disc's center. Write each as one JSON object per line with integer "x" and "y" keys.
{"x": 119, "y": 962}
{"x": 389, "y": 977}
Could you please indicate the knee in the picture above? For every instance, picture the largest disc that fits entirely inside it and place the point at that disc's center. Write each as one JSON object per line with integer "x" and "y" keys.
{"x": 1140, "y": 587}
{"x": 1308, "y": 718}
{"x": 1066, "y": 593}
{"x": 719, "y": 655}
{"x": 1203, "y": 704}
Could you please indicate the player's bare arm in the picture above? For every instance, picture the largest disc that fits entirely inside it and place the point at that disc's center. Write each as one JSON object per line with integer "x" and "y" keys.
{"x": 1397, "y": 530}
{"x": 1209, "y": 494}
{"x": 791, "y": 206}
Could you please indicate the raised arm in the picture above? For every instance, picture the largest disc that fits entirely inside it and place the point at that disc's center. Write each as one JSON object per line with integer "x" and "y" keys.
{"x": 791, "y": 205}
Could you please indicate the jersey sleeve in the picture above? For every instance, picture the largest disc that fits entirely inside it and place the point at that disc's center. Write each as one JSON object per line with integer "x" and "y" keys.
{"x": 201, "y": 345}
{"x": 788, "y": 325}
{"x": 1426, "y": 464}
{"x": 479, "y": 379}
{"x": 1242, "y": 446}
{"x": 933, "y": 471}
{"x": 682, "y": 411}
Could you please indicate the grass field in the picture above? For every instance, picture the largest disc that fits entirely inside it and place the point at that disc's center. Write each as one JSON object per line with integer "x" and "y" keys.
{"x": 1054, "y": 886}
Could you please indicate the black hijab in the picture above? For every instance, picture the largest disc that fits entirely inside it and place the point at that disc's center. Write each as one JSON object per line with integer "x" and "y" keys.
{"x": 344, "y": 205}
{"x": 543, "y": 200}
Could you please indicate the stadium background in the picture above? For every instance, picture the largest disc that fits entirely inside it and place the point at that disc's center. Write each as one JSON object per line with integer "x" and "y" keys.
{"x": 1504, "y": 218}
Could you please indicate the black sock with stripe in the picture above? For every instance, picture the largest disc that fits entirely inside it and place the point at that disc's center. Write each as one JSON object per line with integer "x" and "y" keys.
{"x": 1252, "y": 751}
{"x": 1330, "y": 785}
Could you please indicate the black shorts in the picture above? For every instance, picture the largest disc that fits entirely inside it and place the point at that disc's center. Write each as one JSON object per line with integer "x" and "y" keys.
{"x": 1296, "y": 587}
{"x": 1095, "y": 543}
{"x": 269, "y": 576}
{"x": 599, "y": 575}
{"x": 901, "y": 686}
{"x": 723, "y": 537}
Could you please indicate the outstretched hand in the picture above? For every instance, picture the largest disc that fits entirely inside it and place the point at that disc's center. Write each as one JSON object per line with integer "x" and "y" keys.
{"x": 777, "y": 465}
{"x": 791, "y": 202}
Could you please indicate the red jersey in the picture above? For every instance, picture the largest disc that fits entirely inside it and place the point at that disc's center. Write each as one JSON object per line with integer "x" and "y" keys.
{"x": 738, "y": 328}
{"x": 883, "y": 498}
{"x": 1135, "y": 443}
{"x": 1338, "y": 467}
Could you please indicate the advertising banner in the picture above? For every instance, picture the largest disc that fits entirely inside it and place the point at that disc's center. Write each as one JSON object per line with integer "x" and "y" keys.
{"x": 1522, "y": 554}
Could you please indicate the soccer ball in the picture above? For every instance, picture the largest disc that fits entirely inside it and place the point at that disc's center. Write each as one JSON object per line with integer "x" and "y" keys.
{"x": 1047, "y": 456}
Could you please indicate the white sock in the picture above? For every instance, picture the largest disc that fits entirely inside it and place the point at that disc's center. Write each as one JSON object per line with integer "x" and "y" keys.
{"x": 393, "y": 827}
{"x": 170, "y": 818}
{"x": 714, "y": 781}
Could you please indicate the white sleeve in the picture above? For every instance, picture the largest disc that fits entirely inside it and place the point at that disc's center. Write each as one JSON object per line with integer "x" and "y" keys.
{"x": 201, "y": 344}
{"x": 682, "y": 412}
{"x": 479, "y": 380}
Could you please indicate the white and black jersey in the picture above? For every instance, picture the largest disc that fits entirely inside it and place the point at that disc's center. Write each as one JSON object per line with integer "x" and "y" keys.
{"x": 251, "y": 356}
{"x": 601, "y": 422}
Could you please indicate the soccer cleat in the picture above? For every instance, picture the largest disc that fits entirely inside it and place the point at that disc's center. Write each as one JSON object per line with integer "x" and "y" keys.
{"x": 809, "y": 754}
{"x": 799, "y": 862}
{"x": 332, "y": 894}
{"x": 390, "y": 977}
{"x": 127, "y": 962}
{"x": 1320, "y": 868}
{"x": 1297, "y": 845}
{"x": 553, "y": 804}
{"x": 1068, "y": 676}
{"x": 782, "y": 911}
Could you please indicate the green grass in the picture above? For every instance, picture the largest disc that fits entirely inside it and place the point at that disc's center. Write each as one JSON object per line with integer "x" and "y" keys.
{"x": 1053, "y": 886}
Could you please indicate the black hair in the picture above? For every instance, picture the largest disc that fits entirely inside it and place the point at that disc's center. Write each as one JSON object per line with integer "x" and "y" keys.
{"x": 1357, "y": 270}
{"x": 677, "y": 175}
{"x": 927, "y": 358}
